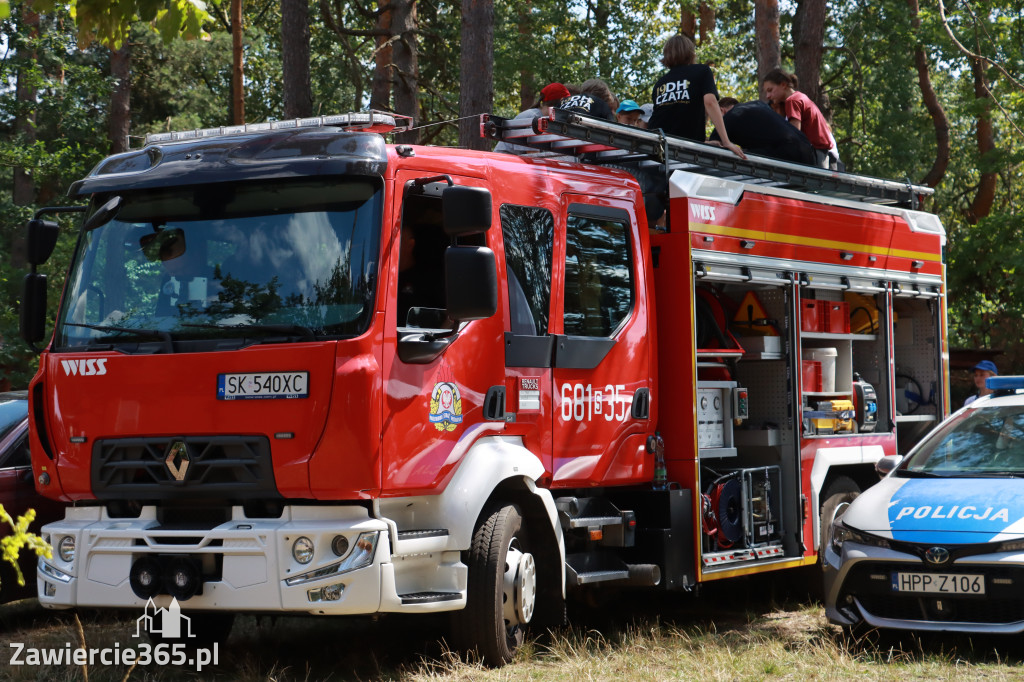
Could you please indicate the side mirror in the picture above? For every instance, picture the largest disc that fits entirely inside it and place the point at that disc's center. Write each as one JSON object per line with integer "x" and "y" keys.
{"x": 104, "y": 213}
{"x": 33, "y": 308}
{"x": 887, "y": 464}
{"x": 465, "y": 210}
{"x": 471, "y": 282}
{"x": 42, "y": 238}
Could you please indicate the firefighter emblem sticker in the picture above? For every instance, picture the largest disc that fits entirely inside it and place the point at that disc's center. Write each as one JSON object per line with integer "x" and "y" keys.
{"x": 445, "y": 406}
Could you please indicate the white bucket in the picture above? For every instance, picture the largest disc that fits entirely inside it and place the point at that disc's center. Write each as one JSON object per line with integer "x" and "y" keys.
{"x": 827, "y": 358}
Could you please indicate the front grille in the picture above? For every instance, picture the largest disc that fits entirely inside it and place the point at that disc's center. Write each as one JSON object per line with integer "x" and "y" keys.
{"x": 1002, "y": 602}
{"x": 218, "y": 467}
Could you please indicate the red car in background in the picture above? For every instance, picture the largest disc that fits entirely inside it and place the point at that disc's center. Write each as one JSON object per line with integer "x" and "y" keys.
{"x": 18, "y": 491}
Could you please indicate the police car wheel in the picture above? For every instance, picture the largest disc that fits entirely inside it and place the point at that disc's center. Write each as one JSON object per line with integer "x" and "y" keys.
{"x": 836, "y": 497}
{"x": 501, "y": 589}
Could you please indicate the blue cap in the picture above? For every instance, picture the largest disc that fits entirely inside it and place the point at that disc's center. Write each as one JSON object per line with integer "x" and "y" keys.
{"x": 627, "y": 105}
{"x": 986, "y": 366}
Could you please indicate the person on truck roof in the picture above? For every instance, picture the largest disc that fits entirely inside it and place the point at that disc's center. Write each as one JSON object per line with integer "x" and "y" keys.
{"x": 759, "y": 130}
{"x": 595, "y": 99}
{"x": 550, "y": 95}
{"x": 629, "y": 113}
{"x": 686, "y": 96}
{"x": 780, "y": 88}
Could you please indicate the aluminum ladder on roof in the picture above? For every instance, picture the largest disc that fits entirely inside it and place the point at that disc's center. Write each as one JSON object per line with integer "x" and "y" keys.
{"x": 593, "y": 140}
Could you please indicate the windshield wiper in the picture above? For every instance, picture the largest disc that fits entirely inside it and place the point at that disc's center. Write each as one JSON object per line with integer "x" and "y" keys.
{"x": 291, "y": 329}
{"x": 916, "y": 473}
{"x": 165, "y": 337}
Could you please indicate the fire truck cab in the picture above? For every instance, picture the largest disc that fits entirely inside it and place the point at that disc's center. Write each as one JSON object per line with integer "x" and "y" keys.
{"x": 297, "y": 369}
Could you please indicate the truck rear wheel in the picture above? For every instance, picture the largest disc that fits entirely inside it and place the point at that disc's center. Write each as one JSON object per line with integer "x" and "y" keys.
{"x": 502, "y": 589}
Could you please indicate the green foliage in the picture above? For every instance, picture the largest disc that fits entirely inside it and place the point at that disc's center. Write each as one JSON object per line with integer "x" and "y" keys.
{"x": 109, "y": 22}
{"x": 20, "y": 538}
{"x": 867, "y": 72}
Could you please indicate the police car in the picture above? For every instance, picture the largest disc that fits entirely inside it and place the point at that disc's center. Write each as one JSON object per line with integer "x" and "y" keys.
{"x": 938, "y": 544}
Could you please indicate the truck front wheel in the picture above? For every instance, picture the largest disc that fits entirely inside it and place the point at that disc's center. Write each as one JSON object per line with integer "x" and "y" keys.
{"x": 502, "y": 588}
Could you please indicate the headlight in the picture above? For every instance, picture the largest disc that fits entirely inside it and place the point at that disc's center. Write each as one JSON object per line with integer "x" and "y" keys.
{"x": 841, "y": 533}
{"x": 302, "y": 550}
{"x": 1011, "y": 546}
{"x": 66, "y": 548}
{"x": 360, "y": 556}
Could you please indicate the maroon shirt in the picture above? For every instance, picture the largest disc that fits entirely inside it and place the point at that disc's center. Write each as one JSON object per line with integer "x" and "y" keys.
{"x": 800, "y": 107}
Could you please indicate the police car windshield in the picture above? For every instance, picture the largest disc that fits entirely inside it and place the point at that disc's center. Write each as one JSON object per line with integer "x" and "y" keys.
{"x": 979, "y": 442}
{"x": 212, "y": 262}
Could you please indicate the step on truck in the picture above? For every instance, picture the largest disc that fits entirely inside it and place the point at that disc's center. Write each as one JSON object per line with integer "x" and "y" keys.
{"x": 296, "y": 369}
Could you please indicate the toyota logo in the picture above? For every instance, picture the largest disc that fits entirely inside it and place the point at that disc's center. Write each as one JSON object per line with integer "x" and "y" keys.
{"x": 936, "y": 555}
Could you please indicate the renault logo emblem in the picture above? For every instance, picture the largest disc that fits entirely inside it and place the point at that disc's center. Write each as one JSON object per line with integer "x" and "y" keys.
{"x": 936, "y": 555}
{"x": 177, "y": 460}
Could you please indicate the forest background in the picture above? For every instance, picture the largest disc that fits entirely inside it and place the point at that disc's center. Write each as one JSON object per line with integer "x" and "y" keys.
{"x": 930, "y": 93}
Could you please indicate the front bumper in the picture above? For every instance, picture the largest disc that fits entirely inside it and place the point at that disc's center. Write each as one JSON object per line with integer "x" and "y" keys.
{"x": 247, "y": 564}
{"x": 858, "y": 589}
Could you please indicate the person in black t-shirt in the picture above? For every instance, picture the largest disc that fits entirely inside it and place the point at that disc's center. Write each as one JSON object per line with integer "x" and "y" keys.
{"x": 686, "y": 96}
{"x": 756, "y": 128}
{"x": 595, "y": 99}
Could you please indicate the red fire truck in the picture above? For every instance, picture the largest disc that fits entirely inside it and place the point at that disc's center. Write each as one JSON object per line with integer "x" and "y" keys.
{"x": 296, "y": 369}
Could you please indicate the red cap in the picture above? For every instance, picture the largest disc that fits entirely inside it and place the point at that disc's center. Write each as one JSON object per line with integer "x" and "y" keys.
{"x": 553, "y": 92}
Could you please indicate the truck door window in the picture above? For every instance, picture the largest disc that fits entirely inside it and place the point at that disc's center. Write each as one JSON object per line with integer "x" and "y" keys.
{"x": 598, "y": 277}
{"x": 528, "y": 233}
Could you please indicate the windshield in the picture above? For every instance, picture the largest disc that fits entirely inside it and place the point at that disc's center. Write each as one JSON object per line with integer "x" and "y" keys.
{"x": 246, "y": 261}
{"x": 12, "y": 412}
{"x": 981, "y": 442}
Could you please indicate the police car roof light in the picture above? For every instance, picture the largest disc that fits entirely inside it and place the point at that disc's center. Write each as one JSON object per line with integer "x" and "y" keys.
{"x": 1005, "y": 385}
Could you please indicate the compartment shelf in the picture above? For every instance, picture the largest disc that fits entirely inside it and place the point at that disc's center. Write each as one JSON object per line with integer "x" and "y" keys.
{"x": 916, "y": 418}
{"x": 838, "y": 337}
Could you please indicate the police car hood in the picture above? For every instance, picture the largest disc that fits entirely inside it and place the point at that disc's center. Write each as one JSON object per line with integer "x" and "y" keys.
{"x": 941, "y": 510}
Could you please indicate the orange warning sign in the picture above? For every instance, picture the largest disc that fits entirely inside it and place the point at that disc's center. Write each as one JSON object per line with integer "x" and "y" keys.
{"x": 751, "y": 319}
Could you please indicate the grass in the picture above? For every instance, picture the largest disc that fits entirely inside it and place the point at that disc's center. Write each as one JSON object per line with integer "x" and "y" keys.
{"x": 754, "y": 629}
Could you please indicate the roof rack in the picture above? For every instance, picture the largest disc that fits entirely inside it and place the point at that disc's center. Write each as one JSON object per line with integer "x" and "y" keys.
{"x": 593, "y": 140}
{"x": 366, "y": 121}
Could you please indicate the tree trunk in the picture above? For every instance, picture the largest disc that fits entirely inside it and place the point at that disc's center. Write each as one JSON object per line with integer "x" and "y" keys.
{"x": 986, "y": 194}
{"x": 383, "y": 72}
{"x": 766, "y": 28}
{"x": 808, "y": 44}
{"x": 527, "y": 96}
{"x": 931, "y": 102}
{"x": 406, "y": 61}
{"x": 298, "y": 94}
{"x": 237, "y": 89}
{"x": 476, "y": 71}
{"x": 688, "y": 23}
{"x": 23, "y": 191}
{"x": 605, "y": 60}
{"x": 707, "y": 21}
{"x": 121, "y": 98}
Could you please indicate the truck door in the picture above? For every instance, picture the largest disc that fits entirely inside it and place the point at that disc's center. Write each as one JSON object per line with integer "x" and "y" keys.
{"x": 528, "y": 234}
{"x": 601, "y": 373}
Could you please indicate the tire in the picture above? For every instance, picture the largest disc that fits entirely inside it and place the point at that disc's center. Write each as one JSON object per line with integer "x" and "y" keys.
{"x": 502, "y": 589}
{"x": 837, "y": 496}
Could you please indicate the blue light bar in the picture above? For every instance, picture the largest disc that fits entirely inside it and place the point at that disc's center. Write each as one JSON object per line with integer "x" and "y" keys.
{"x": 1008, "y": 384}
